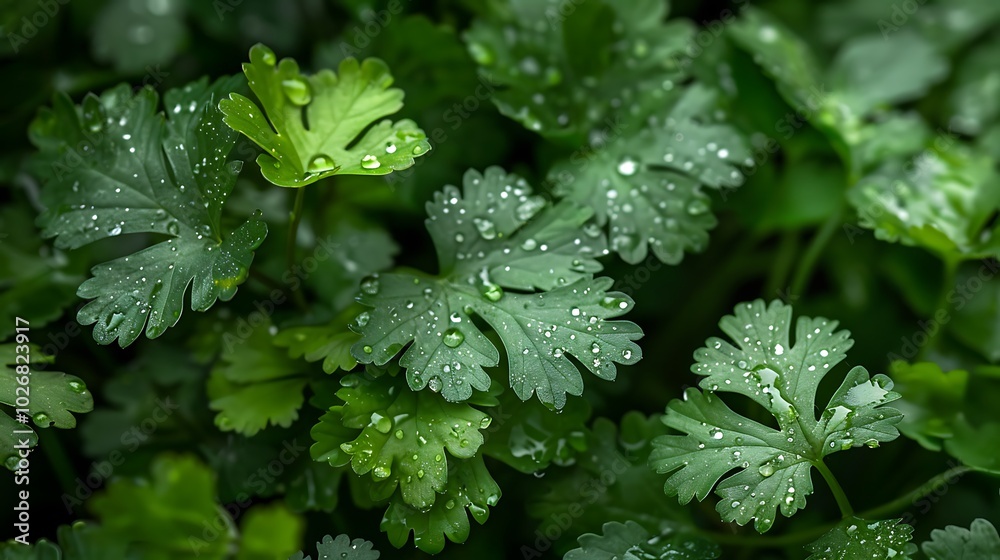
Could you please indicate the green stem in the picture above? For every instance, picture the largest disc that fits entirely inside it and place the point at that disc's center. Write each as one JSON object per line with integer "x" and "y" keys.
{"x": 813, "y": 533}
{"x": 819, "y": 241}
{"x": 947, "y": 285}
{"x": 908, "y": 500}
{"x": 838, "y": 492}
{"x": 294, "y": 219}
{"x": 788, "y": 247}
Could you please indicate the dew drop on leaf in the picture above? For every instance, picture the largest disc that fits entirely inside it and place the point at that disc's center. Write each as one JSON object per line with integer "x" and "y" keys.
{"x": 452, "y": 337}
{"x": 297, "y": 90}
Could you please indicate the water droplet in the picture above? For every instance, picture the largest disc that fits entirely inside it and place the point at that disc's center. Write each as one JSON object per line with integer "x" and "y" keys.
{"x": 529, "y": 244}
{"x": 399, "y": 434}
{"x": 320, "y": 163}
{"x": 766, "y": 470}
{"x": 297, "y": 90}
{"x": 486, "y": 228}
{"x": 366, "y": 349}
{"x": 173, "y": 228}
{"x": 435, "y": 384}
{"x": 77, "y": 387}
{"x": 42, "y": 420}
{"x": 370, "y": 285}
{"x": 362, "y": 319}
{"x": 492, "y": 292}
{"x": 628, "y": 166}
{"x": 452, "y": 337}
{"x": 697, "y": 207}
{"x": 530, "y": 207}
{"x": 370, "y": 162}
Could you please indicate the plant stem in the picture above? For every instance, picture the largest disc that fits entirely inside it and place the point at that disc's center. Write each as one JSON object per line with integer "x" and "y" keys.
{"x": 917, "y": 493}
{"x": 842, "y": 502}
{"x": 947, "y": 285}
{"x": 788, "y": 248}
{"x": 819, "y": 241}
{"x": 294, "y": 219}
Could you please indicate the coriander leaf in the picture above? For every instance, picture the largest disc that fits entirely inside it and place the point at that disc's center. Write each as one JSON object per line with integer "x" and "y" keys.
{"x": 648, "y": 185}
{"x": 162, "y": 518}
{"x": 942, "y": 202}
{"x": 611, "y": 481}
{"x": 268, "y": 532}
{"x": 52, "y": 397}
{"x": 859, "y": 538}
{"x": 931, "y": 399}
{"x": 773, "y": 465}
{"x": 497, "y": 245}
{"x": 569, "y": 74}
{"x": 977, "y": 321}
{"x": 397, "y": 435}
{"x": 317, "y": 126}
{"x": 979, "y": 542}
{"x": 341, "y": 547}
{"x": 528, "y": 437}
{"x": 975, "y": 444}
{"x": 330, "y": 343}
{"x": 470, "y": 486}
{"x": 876, "y": 70}
{"x": 351, "y": 251}
{"x": 138, "y": 36}
{"x": 138, "y": 172}
{"x": 629, "y": 539}
{"x": 254, "y": 383}
{"x": 974, "y": 100}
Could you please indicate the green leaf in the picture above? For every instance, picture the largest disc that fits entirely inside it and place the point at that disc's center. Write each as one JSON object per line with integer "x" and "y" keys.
{"x": 942, "y": 202}
{"x": 859, "y": 538}
{"x": 269, "y": 532}
{"x": 497, "y": 246}
{"x": 976, "y": 311}
{"x": 138, "y": 172}
{"x": 165, "y": 517}
{"x": 631, "y": 540}
{"x": 351, "y": 251}
{"x": 255, "y": 383}
{"x": 80, "y": 541}
{"x": 341, "y": 547}
{"x": 979, "y": 542}
{"x": 975, "y": 445}
{"x": 470, "y": 487}
{"x": 139, "y": 36}
{"x": 52, "y": 397}
{"x": 874, "y": 70}
{"x": 567, "y": 73}
{"x": 321, "y": 125}
{"x": 773, "y": 466}
{"x": 647, "y": 185}
{"x": 529, "y": 437}
{"x": 399, "y": 436}
{"x": 931, "y": 399}
{"x": 330, "y": 343}
{"x": 975, "y": 101}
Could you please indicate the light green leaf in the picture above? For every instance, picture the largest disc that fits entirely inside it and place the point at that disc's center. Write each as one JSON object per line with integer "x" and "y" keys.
{"x": 773, "y": 466}
{"x": 975, "y": 101}
{"x": 631, "y": 540}
{"x": 497, "y": 246}
{"x": 979, "y": 542}
{"x": 399, "y": 436}
{"x": 255, "y": 384}
{"x": 856, "y": 538}
{"x": 268, "y": 532}
{"x": 138, "y": 172}
{"x": 470, "y": 487}
{"x": 330, "y": 343}
{"x": 321, "y": 125}
{"x": 164, "y": 517}
{"x": 341, "y": 547}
